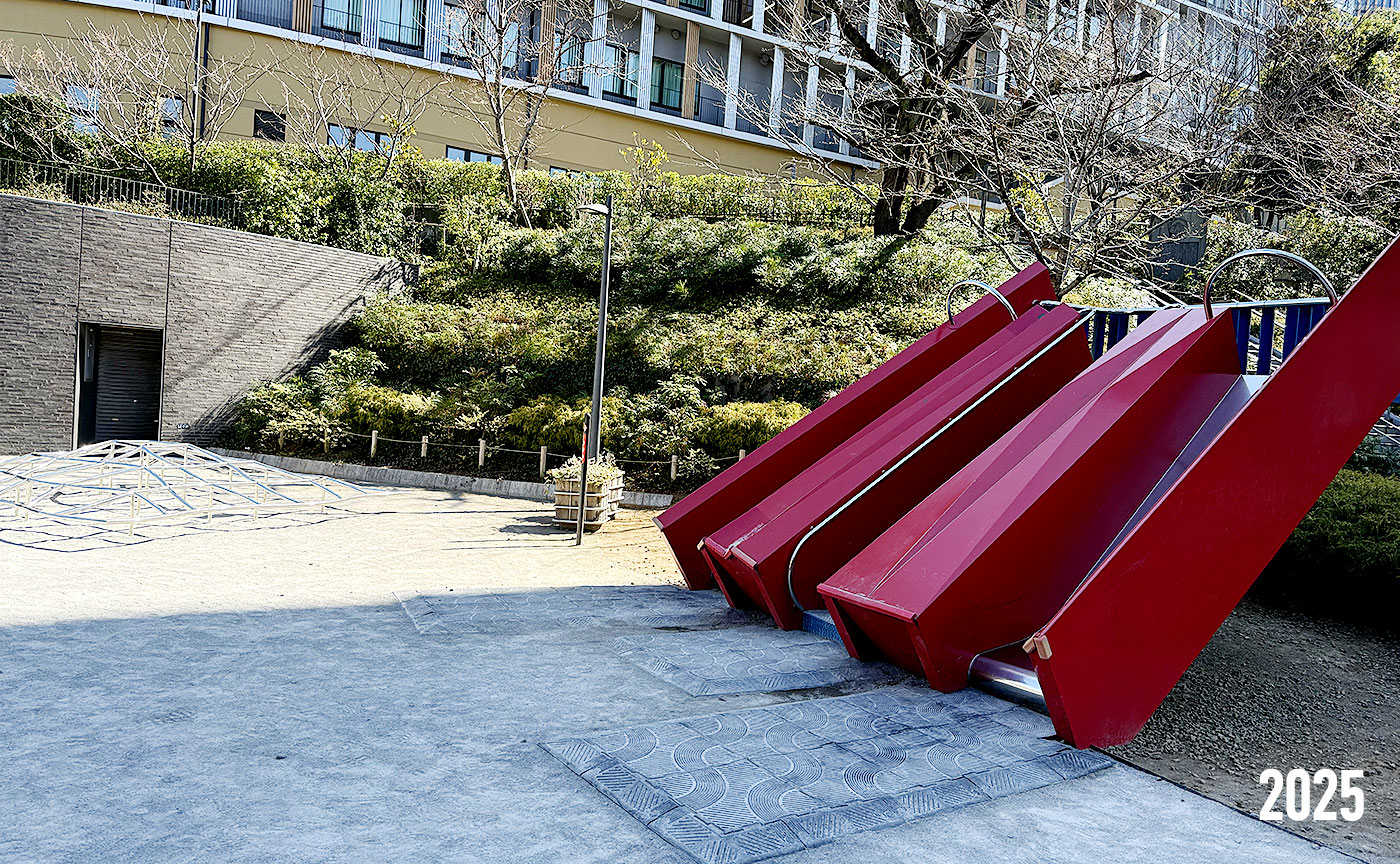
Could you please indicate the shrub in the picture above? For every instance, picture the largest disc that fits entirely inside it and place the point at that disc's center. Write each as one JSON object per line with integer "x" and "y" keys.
{"x": 746, "y": 425}
{"x": 1345, "y": 555}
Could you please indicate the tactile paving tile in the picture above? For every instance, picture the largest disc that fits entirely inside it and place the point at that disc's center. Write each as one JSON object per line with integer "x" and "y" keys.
{"x": 748, "y": 660}
{"x": 448, "y": 615}
{"x": 747, "y": 785}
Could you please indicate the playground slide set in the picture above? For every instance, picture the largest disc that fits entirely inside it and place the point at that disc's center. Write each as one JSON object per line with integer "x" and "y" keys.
{"x": 1063, "y": 519}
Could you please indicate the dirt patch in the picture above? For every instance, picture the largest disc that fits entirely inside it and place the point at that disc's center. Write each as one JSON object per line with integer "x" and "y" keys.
{"x": 1282, "y": 689}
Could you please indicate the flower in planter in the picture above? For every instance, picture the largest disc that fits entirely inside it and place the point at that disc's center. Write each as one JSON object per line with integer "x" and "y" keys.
{"x": 601, "y": 471}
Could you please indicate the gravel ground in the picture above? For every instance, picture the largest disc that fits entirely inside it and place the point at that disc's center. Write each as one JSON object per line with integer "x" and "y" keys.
{"x": 1282, "y": 689}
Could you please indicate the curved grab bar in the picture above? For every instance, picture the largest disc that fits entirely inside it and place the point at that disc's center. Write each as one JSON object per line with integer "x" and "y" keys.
{"x": 792, "y": 558}
{"x": 977, "y": 283}
{"x": 1272, "y": 253}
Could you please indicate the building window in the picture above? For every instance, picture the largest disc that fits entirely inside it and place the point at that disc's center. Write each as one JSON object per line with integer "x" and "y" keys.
{"x": 556, "y": 171}
{"x": 621, "y": 67}
{"x": 361, "y": 139}
{"x": 666, "y": 77}
{"x": 569, "y": 50}
{"x": 461, "y": 154}
{"x": 7, "y": 86}
{"x": 172, "y": 116}
{"x": 82, "y": 104}
{"x": 343, "y": 15}
{"x": 401, "y": 22}
{"x": 986, "y": 63}
{"x": 269, "y": 126}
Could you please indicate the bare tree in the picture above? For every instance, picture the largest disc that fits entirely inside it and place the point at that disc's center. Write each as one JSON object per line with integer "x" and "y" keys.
{"x": 337, "y": 102}
{"x": 518, "y": 51}
{"x": 949, "y": 100}
{"x": 1323, "y": 128}
{"x": 126, "y": 85}
{"x": 1104, "y": 137}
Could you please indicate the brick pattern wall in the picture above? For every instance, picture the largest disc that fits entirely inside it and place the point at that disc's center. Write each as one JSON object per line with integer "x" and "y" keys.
{"x": 236, "y": 309}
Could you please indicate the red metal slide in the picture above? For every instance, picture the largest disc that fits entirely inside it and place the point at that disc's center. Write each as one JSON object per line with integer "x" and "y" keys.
{"x": 1107, "y": 658}
{"x": 995, "y": 553}
{"x": 1088, "y": 555}
{"x": 912, "y": 448}
{"x": 756, "y": 476}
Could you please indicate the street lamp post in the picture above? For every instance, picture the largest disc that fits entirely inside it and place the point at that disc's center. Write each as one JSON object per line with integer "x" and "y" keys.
{"x": 593, "y": 422}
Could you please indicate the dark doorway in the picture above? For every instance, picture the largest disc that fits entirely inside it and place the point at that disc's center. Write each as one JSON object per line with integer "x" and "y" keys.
{"x": 119, "y": 396}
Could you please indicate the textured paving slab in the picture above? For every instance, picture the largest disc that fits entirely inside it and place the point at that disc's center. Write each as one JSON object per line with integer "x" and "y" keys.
{"x": 748, "y": 785}
{"x": 756, "y": 659}
{"x": 451, "y": 615}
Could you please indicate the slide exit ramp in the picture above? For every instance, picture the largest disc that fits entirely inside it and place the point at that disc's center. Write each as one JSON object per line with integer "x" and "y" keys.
{"x": 753, "y": 478}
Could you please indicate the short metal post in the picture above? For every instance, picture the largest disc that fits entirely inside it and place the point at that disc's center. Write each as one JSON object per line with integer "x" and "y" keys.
{"x": 481, "y": 452}
{"x": 743, "y": 453}
{"x": 544, "y": 456}
{"x": 373, "y": 442}
{"x": 326, "y": 443}
{"x": 675, "y": 465}
{"x": 423, "y": 450}
{"x": 582, "y": 483}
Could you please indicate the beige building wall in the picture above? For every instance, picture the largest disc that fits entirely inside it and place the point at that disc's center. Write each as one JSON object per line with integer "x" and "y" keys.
{"x": 575, "y": 137}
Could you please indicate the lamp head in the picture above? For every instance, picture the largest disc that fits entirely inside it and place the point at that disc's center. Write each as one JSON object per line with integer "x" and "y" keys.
{"x": 600, "y": 209}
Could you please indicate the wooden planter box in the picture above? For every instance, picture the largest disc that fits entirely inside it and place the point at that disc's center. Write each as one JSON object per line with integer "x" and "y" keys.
{"x": 600, "y": 504}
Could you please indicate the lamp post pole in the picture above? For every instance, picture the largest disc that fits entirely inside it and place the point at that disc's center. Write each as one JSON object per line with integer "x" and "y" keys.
{"x": 593, "y": 422}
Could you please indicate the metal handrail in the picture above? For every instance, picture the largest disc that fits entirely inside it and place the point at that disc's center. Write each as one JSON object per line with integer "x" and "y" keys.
{"x": 792, "y": 559}
{"x": 948, "y": 298}
{"x": 1272, "y": 253}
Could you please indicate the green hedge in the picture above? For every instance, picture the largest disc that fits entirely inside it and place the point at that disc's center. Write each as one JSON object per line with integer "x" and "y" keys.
{"x": 1345, "y": 555}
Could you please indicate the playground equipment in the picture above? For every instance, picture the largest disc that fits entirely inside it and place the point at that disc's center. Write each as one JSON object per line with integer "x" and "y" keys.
{"x": 757, "y": 475}
{"x": 1083, "y": 554}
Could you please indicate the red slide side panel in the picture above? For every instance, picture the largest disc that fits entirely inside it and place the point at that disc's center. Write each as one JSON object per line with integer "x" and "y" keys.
{"x": 748, "y": 481}
{"x": 972, "y": 587}
{"x": 754, "y": 550}
{"x": 1129, "y": 632}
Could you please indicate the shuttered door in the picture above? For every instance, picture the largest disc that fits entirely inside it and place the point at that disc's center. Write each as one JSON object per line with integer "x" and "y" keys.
{"x": 128, "y": 384}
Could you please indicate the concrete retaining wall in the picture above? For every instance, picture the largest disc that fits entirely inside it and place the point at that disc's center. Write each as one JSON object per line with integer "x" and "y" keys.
{"x": 235, "y": 307}
{"x": 375, "y": 476}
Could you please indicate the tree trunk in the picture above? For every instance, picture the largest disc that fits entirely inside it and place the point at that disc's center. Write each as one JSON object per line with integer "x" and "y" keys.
{"x": 919, "y": 214}
{"x": 889, "y": 207}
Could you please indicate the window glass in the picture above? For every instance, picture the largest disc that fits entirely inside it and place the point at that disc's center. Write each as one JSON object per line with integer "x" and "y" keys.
{"x": 82, "y": 103}
{"x": 401, "y": 22}
{"x": 341, "y": 15}
{"x": 666, "y": 76}
{"x": 269, "y": 125}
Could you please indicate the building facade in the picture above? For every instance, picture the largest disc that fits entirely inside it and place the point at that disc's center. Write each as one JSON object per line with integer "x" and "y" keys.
{"x": 639, "y": 71}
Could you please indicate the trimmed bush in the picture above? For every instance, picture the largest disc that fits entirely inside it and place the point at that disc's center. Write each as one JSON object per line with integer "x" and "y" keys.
{"x": 1345, "y": 555}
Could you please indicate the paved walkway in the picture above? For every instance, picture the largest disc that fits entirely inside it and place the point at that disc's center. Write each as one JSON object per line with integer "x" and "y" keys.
{"x": 320, "y": 693}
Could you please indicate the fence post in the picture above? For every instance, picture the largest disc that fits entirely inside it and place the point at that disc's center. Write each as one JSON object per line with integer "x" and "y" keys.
{"x": 675, "y": 460}
{"x": 423, "y": 451}
{"x": 544, "y": 455}
{"x": 481, "y": 452}
{"x": 374, "y": 443}
{"x": 743, "y": 453}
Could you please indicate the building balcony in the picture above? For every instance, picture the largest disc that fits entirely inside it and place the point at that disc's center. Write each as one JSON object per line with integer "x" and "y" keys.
{"x": 273, "y": 13}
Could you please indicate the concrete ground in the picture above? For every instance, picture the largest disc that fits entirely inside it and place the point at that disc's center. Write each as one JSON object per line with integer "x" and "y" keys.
{"x": 263, "y": 695}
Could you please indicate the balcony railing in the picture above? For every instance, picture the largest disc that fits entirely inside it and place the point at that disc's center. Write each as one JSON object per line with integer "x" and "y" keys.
{"x": 337, "y": 19}
{"x": 709, "y": 110}
{"x": 701, "y": 6}
{"x": 738, "y": 12}
{"x": 273, "y": 13}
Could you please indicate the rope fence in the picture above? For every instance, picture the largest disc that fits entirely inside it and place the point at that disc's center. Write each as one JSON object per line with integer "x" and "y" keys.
{"x": 484, "y": 449}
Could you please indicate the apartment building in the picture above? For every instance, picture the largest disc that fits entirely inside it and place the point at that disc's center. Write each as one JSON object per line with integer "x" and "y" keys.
{"x": 637, "y": 75}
